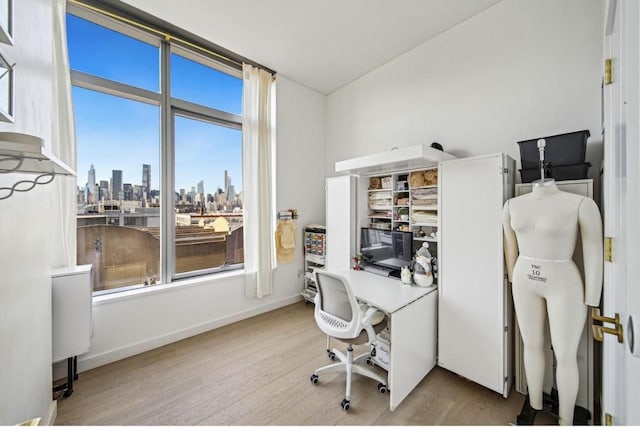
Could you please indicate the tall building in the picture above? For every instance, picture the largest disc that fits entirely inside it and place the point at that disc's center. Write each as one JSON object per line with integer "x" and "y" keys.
{"x": 146, "y": 178}
{"x": 227, "y": 181}
{"x": 127, "y": 191}
{"x": 201, "y": 189}
{"x": 91, "y": 179}
{"x": 116, "y": 188}
{"x": 104, "y": 191}
{"x": 90, "y": 188}
{"x": 231, "y": 195}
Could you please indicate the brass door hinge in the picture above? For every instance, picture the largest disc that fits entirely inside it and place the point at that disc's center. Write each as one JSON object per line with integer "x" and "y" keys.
{"x": 608, "y": 249}
{"x": 608, "y": 79}
{"x": 608, "y": 419}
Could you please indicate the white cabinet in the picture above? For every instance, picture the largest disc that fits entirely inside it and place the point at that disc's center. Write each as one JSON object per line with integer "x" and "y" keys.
{"x": 71, "y": 323}
{"x": 403, "y": 201}
{"x": 341, "y": 214}
{"x": 475, "y": 305}
{"x": 585, "y": 396}
{"x": 71, "y": 295}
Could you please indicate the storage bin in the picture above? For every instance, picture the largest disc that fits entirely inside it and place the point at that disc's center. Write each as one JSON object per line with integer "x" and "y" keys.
{"x": 564, "y": 149}
{"x": 557, "y": 172}
{"x": 566, "y": 172}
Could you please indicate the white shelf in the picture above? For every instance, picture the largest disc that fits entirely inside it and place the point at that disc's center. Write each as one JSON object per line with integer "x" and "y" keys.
{"x": 315, "y": 259}
{"x": 26, "y": 154}
{"x": 426, "y": 239}
{"x": 22, "y": 153}
{"x": 413, "y": 157}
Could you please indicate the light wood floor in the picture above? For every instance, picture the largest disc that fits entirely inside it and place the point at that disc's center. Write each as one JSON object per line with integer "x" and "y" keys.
{"x": 256, "y": 372}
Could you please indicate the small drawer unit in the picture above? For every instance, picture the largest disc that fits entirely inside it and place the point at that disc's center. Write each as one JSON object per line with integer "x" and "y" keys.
{"x": 314, "y": 257}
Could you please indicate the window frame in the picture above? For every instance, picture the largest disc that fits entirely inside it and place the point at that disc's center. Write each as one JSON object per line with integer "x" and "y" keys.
{"x": 214, "y": 117}
{"x": 170, "y": 107}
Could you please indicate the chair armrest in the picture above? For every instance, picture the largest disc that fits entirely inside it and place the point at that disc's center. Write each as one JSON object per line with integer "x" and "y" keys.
{"x": 368, "y": 315}
{"x": 367, "y": 324}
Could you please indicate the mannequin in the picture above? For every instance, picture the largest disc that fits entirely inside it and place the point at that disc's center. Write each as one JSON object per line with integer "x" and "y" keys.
{"x": 540, "y": 233}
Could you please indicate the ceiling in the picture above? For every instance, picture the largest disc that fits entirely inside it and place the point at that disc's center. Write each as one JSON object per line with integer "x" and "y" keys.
{"x": 320, "y": 44}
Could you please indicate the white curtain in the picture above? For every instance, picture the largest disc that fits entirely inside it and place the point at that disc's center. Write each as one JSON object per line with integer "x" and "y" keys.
{"x": 258, "y": 180}
{"x": 63, "y": 144}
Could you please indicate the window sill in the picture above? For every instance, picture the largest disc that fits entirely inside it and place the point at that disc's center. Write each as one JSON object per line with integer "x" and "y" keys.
{"x": 177, "y": 285}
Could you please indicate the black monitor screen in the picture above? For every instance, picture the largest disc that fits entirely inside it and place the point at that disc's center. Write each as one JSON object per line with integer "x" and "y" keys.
{"x": 386, "y": 248}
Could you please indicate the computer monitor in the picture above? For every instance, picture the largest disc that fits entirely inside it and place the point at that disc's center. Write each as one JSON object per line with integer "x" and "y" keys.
{"x": 385, "y": 248}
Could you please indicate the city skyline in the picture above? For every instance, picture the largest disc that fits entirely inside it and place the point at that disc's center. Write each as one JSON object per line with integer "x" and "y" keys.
{"x": 93, "y": 180}
{"x": 116, "y": 133}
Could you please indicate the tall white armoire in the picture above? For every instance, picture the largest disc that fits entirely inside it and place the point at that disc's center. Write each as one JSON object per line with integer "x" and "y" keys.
{"x": 475, "y": 306}
{"x": 341, "y": 205}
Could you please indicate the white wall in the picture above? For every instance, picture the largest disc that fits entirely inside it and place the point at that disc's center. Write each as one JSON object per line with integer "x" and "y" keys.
{"x": 25, "y": 230}
{"x": 518, "y": 70}
{"x": 127, "y": 325}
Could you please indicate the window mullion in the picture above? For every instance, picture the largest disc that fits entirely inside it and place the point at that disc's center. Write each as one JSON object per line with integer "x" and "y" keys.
{"x": 111, "y": 87}
{"x": 200, "y": 112}
{"x": 167, "y": 219}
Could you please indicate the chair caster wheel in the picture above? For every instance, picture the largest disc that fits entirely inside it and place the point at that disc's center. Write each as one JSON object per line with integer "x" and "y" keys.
{"x": 332, "y": 355}
{"x": 382, "y": 388}
{"x": 314, "y": 379}
{"x": 345, "y": 404}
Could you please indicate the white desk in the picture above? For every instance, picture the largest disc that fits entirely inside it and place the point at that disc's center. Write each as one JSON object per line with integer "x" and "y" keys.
{"x": 412, "y": 311}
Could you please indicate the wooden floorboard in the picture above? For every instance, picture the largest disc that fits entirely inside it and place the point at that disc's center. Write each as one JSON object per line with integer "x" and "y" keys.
{"x": 256, "y": 372}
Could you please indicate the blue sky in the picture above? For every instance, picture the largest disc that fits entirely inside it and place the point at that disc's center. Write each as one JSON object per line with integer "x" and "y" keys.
{"x": 115, "y": 133}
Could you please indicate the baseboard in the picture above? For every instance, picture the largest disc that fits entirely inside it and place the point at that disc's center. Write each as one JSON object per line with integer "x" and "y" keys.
{"x": 92, "y": 361}
{"x": 50, "y": 417}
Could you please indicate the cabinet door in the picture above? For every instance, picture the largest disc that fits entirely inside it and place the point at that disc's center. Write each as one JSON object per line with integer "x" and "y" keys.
{"x": 71, "y": 311}
{"x": 471, "y": 323}
{"x": 341, "y": 201}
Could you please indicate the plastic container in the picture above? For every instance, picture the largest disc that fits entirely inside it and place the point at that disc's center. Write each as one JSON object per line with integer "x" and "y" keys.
{"x": 564, "y": 149}
{"x": 558, "y": 172}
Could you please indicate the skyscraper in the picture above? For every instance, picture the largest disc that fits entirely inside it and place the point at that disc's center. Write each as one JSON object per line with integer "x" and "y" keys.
{"x": 201, "y": 188}
{"x": 116, "y": 187}
{"x": 127, "y": 191}
{"x": 91, "y": 180}
{"x": 146, "y": 178}
{"x": 231, "y": 196}
{"x": 104, "y": 190}
{"x": 91, "y": 197}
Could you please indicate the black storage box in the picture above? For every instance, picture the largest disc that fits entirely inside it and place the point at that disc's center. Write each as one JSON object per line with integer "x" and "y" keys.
{"x": 564, "y": 149}
{"x": 558, "y": 172}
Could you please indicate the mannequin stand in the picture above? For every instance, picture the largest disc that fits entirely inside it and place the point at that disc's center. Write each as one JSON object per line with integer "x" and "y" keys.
{"x": 581, "y": 416}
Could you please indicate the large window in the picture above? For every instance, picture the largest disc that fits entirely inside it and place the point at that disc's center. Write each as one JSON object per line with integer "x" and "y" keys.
{"x": 159, "y": 158}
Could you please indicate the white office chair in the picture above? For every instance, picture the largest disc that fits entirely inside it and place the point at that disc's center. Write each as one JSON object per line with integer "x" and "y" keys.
{"x": 339, "y": 315}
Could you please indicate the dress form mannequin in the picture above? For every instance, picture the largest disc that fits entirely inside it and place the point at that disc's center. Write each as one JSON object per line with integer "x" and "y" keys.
{"x": 540, "y": 233}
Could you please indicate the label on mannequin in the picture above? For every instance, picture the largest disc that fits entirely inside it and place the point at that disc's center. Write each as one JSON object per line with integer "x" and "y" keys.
{"x": 537, "y": 273}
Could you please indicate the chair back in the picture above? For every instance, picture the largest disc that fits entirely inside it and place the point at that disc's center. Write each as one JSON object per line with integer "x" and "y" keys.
{"x": 337, "y": 311}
